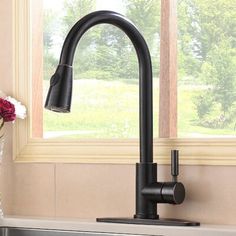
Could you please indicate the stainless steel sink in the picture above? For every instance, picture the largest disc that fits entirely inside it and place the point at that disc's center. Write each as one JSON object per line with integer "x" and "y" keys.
{"x": 9, "y": 231}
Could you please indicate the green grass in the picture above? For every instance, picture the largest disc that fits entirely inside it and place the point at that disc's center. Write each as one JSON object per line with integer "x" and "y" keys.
{"x": 188, "y": 119}
{"x": 109, "y": 109}
{"x": 101, "y": 109}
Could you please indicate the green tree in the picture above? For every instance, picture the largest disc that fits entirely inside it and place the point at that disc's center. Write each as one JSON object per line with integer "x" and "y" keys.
{"x": 201, "y": 25}
{"x": 105, "y": 52}
{"x": 146, "y": 16}
{"x": 48, "y": 57}
{"x": 121, "y": 59}
{"x": 219, "y": 72}
{"x": 189, "y": 62}
{"x": 207, "y": 53}
{"x": 75, "y": 10}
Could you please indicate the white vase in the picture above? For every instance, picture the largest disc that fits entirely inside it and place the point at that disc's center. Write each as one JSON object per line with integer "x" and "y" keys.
{"x": 1, "y": 156}
{"x": 1, "y": 148}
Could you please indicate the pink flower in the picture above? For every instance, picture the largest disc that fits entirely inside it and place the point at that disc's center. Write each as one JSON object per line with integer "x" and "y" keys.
{"x": 7, "y": 110}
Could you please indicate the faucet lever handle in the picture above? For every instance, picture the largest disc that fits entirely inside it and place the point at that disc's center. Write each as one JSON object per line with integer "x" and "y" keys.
{"x": 174, "y": 164}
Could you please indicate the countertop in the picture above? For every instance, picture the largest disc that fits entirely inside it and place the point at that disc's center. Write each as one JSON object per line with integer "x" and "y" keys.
{"x": 93, "y": 226}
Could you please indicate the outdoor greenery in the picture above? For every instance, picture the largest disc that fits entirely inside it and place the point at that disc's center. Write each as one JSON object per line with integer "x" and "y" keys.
{"x": 106, "y": 69}
{"x": 207, "y": 32}
{"x": 101, "y": 108}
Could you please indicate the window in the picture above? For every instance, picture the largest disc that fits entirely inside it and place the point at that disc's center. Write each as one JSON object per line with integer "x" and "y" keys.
{"x": 29, "y": 144}
{"x": 207, "y": 68}
{"x": 105, "y": 86}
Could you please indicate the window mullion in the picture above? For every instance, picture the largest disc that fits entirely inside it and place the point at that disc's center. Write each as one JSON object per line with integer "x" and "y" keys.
{"x": 37, "y": 68}
{"x": 168, "y": 70}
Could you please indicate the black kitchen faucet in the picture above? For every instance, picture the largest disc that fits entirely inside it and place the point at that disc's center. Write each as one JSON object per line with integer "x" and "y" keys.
{"x": 149, "y": 191}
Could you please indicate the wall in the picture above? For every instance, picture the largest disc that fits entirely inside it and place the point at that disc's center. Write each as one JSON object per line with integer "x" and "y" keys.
{"x": 6, "y": 86}
{"x": 92, "y": 190}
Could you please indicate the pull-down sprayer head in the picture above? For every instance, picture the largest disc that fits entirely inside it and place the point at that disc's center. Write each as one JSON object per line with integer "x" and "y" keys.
{"x": 60, "y": 91}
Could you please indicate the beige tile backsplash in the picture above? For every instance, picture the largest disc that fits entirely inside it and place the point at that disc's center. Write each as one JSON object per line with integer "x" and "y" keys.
{"x": 34, "y": 186}
{"x": 97, "y": 190}
{"x": 92, "y": 190}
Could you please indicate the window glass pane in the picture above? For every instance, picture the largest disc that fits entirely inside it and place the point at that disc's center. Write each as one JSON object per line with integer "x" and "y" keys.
{"x": 207, "y": 68}
{"x": 105, "y": 93}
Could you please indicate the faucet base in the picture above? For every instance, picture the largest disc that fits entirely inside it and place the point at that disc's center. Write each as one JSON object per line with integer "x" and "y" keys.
{"x": 167, "y": 222}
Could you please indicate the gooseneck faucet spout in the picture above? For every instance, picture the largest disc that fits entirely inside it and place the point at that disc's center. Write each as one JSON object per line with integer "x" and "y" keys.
{"x": 149, "y": 192}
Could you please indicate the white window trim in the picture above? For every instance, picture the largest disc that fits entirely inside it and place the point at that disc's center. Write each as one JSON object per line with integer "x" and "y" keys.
{"x": 27, "y": 149}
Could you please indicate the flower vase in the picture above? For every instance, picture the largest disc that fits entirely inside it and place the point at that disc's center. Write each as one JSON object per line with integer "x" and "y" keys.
{"x": 1, "y": 148}
{"x": 1, "y": 156}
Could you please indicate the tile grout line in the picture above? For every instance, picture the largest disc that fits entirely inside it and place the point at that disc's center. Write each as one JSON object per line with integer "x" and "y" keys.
{"x": 55, "y": 191}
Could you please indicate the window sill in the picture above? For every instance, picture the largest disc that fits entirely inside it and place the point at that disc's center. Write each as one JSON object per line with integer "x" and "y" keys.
{"x": 126, "y": 151}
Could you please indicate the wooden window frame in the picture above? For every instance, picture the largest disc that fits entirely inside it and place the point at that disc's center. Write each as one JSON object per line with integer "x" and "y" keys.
{"x": 202, "y": 151}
